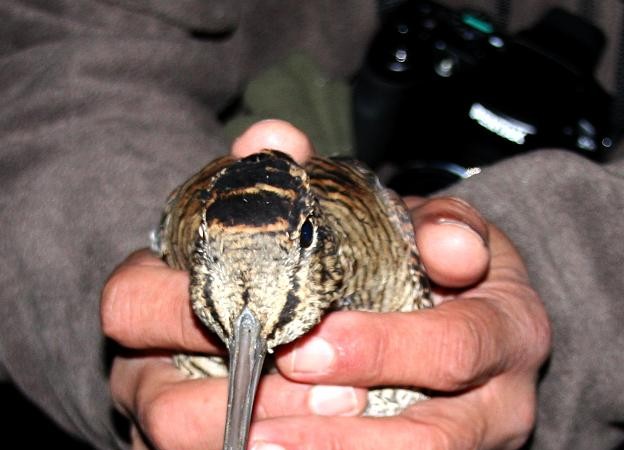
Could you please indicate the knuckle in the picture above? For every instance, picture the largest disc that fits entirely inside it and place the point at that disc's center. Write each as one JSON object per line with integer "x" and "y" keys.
{"x": 456, "y": 429}
{"x": 378, "y": 356}
{"x": 374, "y": 350}
{"x": 360, "y": 342}
{"x": 442, "y": 436}
{"x": 439, "y": 439}
{"x": 155, "y": 418}
{"x": 524, "y": 419}
{"x": 465, "y": 344}
{"x": 110, "y": 315}
{"x": 542, "y": 332}
{"x": 116, "y": 311}
{"x": 116, "y": 382}
{"x": 334, "y": 443}
{"x": 533, "y": 333}
{"x": 333, "y": 440}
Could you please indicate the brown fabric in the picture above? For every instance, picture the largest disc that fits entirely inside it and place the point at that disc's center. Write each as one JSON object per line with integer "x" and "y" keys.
{"x": 107, "y": 105}
{"x": 565, "y": 214}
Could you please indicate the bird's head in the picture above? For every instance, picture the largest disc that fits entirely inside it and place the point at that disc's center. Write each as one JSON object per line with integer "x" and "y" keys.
{"x": 264, "y": 247}
{"x": 265, "y": 267}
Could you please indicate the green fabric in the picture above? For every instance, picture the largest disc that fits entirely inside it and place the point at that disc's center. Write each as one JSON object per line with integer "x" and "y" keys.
{"x": 298, "y": 91}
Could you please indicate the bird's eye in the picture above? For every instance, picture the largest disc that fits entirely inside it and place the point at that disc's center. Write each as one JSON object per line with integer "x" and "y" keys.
{"x": 306, "y": 234}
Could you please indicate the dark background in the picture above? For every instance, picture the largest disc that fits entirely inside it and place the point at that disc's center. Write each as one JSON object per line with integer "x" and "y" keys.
{"x": 20, "y": 414}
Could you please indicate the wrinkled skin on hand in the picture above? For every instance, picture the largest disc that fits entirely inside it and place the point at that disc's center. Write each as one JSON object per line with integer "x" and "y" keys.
{"x": 485, "y": 342}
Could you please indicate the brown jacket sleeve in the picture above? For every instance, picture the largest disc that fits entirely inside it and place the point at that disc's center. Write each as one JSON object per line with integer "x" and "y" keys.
{"x": 106, "y": 106}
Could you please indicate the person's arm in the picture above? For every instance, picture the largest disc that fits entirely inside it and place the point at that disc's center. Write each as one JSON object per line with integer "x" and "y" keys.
{"x": 105, "y": 107}
{"x": 482, "y": 346}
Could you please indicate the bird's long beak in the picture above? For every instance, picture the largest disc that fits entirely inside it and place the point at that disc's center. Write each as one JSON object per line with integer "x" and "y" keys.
{"x": 247, "y": 351}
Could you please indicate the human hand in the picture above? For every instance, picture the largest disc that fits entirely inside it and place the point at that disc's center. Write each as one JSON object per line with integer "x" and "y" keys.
{"x": 481, "y": 348}
{"x": 171, "y": 411}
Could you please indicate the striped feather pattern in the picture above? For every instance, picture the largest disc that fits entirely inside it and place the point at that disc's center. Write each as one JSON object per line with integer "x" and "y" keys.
{"x": 291, "y": 243}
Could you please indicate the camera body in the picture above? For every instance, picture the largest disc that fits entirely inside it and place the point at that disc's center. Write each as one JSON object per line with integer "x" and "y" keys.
{"x": 443, "y": 92}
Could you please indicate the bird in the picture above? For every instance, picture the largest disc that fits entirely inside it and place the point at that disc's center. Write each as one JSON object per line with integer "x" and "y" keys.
{"x": 271, "y": 247}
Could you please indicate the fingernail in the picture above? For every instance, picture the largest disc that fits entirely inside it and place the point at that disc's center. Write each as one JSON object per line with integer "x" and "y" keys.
{"x": 463, "y": 226}
{"x": 315, "y": 355}
{"x": 265, "y": 446}
{"x": 333, "y": 401}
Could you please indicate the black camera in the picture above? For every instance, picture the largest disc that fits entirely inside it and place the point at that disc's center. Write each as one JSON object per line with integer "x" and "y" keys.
{"x": 444, "y": 92}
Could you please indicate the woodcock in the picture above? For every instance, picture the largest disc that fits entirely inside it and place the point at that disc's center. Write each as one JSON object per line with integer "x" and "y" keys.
{"x": 271, "y": 247}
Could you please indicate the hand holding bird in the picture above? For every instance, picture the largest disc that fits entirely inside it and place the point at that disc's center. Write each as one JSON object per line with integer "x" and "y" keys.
{"x": 174, "y": 412}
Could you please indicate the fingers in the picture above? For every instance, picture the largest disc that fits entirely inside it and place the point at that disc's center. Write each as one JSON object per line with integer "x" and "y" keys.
{"x": 174, "y": 412}
{"x": 498, "y": 326}
{"x": 452, "y": 239}
{"x": 498, "y": 415}
{"x": 276, "y": 135}
{"x": 145, "y": 304}
{"x": 444, "y": 350}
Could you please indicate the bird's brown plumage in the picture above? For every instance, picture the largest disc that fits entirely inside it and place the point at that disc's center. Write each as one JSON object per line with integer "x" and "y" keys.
{"x": 291, "y": 243}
